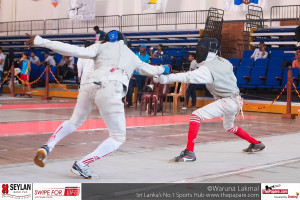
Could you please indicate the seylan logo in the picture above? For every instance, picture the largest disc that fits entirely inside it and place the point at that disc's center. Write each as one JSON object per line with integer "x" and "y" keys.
{"x": 4, "y": 188}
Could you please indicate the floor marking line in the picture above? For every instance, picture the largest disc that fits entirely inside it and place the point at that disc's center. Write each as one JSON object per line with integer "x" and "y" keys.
{"x": 234, "y": 172}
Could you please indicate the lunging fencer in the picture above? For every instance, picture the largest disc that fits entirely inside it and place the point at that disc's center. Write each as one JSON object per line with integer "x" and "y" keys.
{"x": 217, "y": 74}
{"x": 104, "y": 88}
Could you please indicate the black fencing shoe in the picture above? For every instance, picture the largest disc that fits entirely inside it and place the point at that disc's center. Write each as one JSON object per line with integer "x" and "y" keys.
{"x": 41, "y": 156}
{"x": 185, "y": 156}
{"x": 254, "y": 147}
{"x": 84, "y": 171}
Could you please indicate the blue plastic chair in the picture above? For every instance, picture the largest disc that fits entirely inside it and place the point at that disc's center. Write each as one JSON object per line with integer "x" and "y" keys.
{"x": 256, "y": 73}
{"x": 277, "y": 54}
{"x": 247, "y": 54}
{"x": 241, "y": 72}
{"x": 288, "y": 56}
{"x": 275, "y": 62}
{"x": 234, "y": 61}
{"x": 295, "y": 72}
{"x": 247, "y": 62}
{"x": 271, "y": 80}
{"x": 262, "y": 62}
{"x": 156, "y": 61}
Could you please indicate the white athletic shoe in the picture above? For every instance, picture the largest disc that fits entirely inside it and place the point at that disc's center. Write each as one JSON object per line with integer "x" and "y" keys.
{"x": 84, "y": 171}
{"x": 41, "y": 156}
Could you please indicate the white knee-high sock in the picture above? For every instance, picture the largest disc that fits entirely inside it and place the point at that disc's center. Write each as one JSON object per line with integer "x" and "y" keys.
{"x": 62, "y": 131}
{"x": 106, "y": 147}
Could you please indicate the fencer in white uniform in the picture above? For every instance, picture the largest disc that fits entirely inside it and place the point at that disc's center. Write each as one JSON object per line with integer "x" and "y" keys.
{"x": 217, "y": 74}
{"x": 114, "y": 65}
{"x": 85, "y": 66}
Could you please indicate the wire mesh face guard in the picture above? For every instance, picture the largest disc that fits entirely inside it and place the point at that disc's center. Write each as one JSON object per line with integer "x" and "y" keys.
{"x": 205, "y": 46}
{"x": 114, "y": 35}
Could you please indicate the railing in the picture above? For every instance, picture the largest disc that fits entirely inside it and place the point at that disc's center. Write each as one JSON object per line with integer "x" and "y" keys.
{"x": 19, "y": 27}
{"x": 65, "y": 25}
{"x": 281, "y": 13}
{"x": 197, "y": 17}
{"x": 164, "y": 19}
{"x": 68, "y": 25}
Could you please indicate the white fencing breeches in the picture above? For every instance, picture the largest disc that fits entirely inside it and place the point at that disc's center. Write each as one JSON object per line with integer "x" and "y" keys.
{"x": 226, "y": 107}
{"x": 108, "y": 99}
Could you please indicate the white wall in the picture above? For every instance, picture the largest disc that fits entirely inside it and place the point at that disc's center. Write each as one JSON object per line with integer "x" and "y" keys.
{"x": 19, "y": 10}
{"x": 22, "y": 10}
{"x": 235, "y": 15}
{"x": 123, "y": 7}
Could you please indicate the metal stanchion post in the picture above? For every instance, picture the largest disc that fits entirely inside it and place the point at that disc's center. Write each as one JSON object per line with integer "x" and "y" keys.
{"x": 46, "y": 96}
{"x": 12, "y": 86}
{"x": 288, "y": 114}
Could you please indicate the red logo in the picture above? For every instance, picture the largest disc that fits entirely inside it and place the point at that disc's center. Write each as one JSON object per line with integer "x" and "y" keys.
{"x": 72, "y": 191}
{"x": 112, "y": 70}
{"x": 275, "y": 191}
{"x": 4, "y": 188}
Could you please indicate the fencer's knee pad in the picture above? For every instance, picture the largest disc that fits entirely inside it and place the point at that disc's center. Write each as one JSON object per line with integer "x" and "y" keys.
{"x": 116, "y": 141}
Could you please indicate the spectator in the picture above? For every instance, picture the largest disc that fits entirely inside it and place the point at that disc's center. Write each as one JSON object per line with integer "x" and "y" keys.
{"x": 25, "y": 73}
{"x": 62, "y": 62}
{"x": 2, "y": 61}
{"x": 99, "y": 34}
{"x": 260, "y": 52}
{"x": 191, "y": 90}
{"x": 85, "y": 66}
{"x": 70, "y": 62}
{"x": 48, "y": 59}
{"x": 296, "y": 63}
{"x": 158, "y": 53}
{"x": 140, "y": 80}
{"x": 34, "y": 59}
{"x": 66, "y": 67}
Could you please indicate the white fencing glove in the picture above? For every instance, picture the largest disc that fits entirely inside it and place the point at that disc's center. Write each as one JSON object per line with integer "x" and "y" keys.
{"x": 163, "y": 79}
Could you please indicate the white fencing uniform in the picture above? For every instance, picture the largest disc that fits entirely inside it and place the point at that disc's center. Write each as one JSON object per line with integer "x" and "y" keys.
{"x": 84, "y": 67}
{"x": 217, "y": 74}
{"x": 114, "y": 65}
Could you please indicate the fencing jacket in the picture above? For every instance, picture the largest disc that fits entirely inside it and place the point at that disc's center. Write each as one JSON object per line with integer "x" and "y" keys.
{"x": 114, "y": 61}
{"x": 215, "y": 72}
